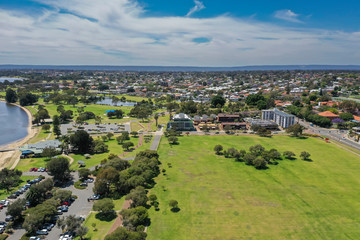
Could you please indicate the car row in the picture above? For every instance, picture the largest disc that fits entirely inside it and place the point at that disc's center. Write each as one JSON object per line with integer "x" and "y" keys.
{"x": 25, "y": 187}
{"x": 41, "y": 169}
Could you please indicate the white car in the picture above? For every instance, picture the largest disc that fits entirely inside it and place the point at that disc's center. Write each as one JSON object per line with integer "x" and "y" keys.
{"x": 34, "y": 238}
{"x": 42, "y": 232}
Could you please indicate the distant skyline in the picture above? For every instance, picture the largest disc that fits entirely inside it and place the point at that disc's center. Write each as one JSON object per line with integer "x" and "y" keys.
{"x": 179, "y": 32}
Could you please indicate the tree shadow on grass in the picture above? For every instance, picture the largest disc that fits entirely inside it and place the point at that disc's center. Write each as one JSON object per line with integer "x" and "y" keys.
{"x": 175, "y": 210}
{"x": 308, "y": 160}
{"x": 107, "y": 217}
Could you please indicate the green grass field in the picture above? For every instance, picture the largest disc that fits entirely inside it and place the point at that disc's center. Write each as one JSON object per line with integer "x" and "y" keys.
{"x": 223, "y": 199}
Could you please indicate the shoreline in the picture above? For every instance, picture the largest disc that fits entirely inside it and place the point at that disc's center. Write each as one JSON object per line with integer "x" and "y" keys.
{"x": 6, "y": 158}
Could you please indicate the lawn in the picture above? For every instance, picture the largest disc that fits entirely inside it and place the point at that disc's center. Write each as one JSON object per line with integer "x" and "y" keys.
{"x": 223, "y": 199}
{"x": 4, "y": 194}
{"x": 102, "y": 227}
{"x": 95, "y": 159}
{"x": 26, "y": 163}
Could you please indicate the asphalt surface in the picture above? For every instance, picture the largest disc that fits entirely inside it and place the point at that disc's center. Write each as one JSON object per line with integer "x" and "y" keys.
{"x": 156, "y": 141}
{"x": 81, "y": 207}
{"x": 334, "y": 134}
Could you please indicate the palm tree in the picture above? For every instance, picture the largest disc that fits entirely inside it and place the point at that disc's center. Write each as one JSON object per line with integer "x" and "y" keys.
{"x": 156, "y": 117}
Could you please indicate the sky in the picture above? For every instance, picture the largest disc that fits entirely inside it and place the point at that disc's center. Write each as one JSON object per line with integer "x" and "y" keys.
{"x": 210, "y": 33}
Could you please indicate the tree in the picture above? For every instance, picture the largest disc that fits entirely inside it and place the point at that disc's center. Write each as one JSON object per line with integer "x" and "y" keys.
{"x": 134, "y": 133}
{"x": 82, "y": 231}
{"x": 259, "y": 163}
{"x": 59, "y": 169}
{"x": 46, "y": 127}
{"x": 110, "y": 135}
{"x": 156, "y": 117}
{"x": 127, "y": 145}
{"x": 296, "y": 129}
{"x": 105, "y": 179}
{"x": 104, "y": 206}
{"x": 152, "y": 199}
{"x": 253, "y": 99}
{"x": 57, "y": 130}
{"x": 257, "y": 150}
{"x": 288, "y": 154}
{"x": 82, "y": 141}
{"x": 134, "y": 217}
{"x": 49, "y": 152}
{"x": 218, "y": 148}
{"x": 9, "y": 178}
{"x": 11, "y": 96}
{"x": 249, "y": 158}
{"x": 173, "y": 140}
{"x": 62, "y": 195}
{"x": 16, "y": 208}
{"x": 346, "y": 116}
{"x": 217, "y": 100}
{"x": 305, "y": 155}
{"x": 173, "y": 204}
{"x": 122, "y": 233}
{"x": 138, "y": 197}
{"x": 100, "y": 146}
{"x": 84, "y": 173}
{"x": 69, "y": 223}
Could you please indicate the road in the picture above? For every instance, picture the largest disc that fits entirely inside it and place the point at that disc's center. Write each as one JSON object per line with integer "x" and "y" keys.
{"x": 81, "y": 206}
{"x": 157, "y": 138}
{"x": 334, "y": 134}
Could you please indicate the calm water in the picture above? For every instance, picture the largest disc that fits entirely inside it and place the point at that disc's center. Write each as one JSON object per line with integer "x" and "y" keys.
{"x": 108, "y": 101}
{"x": 13, "y": 123}
{"x": 2, "y": 79}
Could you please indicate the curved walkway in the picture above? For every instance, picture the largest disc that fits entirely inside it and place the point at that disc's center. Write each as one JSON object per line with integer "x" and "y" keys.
{"x": 141, "y": 141}
{"x": 119, "y": 220}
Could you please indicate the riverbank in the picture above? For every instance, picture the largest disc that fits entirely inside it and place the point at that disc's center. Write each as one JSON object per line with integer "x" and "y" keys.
{"x": 10, "y": 158}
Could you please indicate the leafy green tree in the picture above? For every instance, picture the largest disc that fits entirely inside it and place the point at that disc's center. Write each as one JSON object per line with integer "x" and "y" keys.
{"x": 346, "y": 116}
{"x": 104, "y": 206}
{"x": 46, "y": 127}
{"x": 257, "y": 150}
{"x": 249, "y": 158}
{"x": 134, "y": 133}
{"x": 127, "y": 145}
{"x": 16, "y": 208}
{"x": 289, "y": 154}
{"x": 9, "y": 178}
{"x": 82, "y": 141}
{"x": 305, "y": 155}
{"x": 296, "y": 129}
{"x": 81, "y": 231}
{"x": 122, "y": 233}
{"x": 84, "y": 173}
{"x": 59, "y": 168}
{"x": 109, "y": 135}
{"x": 218, "y": 148}
{"x": 253, "y": 99}
{"x": 173, "y": 204}
{"x": 259, "y": 163}
{"x": 217, "y": 100}
{"x": 62, "y": 195}
{"x": 152, "y": 199}
{"x": 100, "y": 146}
{"x": 138, "y": 197}
{"x": 173, "y": 140}
{"x": 134, "y": 217}
{"x": 49, "y": 152}
{"x": 105, "y": 179}
{"x": 11, "y": 96}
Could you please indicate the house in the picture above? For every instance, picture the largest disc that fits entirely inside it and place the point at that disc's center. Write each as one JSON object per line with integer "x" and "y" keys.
{"x": 234, "y": 125}
{"x": 181, "y": 122}
{"x": 328, "y": 115}
{"x": 228, "y": 117}
{"x": 38, "y": 148}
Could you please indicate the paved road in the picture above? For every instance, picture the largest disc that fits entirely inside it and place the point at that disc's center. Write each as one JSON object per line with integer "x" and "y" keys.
{"x": 156, "y": 141}
{"x": 334, "y": 134}
{"x": 81, "y": 206}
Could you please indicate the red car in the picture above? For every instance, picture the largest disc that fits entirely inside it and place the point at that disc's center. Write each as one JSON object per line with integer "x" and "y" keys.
{"x": 1, "y": 206}
{"x": 31, "y": 169}
{"x": 65, "y": 203}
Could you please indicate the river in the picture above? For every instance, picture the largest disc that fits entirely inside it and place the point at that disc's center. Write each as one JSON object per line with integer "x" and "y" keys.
{"x": 13, "y": 123}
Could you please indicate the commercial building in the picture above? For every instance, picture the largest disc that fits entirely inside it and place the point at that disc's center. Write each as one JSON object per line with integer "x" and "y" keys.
{"x": 283, "y": 119}
{"x": 228, "y": 117}
{"x": 181, "y": 122}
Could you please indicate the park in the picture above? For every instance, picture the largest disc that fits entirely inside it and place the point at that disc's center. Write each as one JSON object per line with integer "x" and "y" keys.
{"x": 220, "y": 198}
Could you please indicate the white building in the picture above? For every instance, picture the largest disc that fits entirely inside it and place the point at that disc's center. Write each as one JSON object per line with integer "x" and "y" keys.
{"x": 284, "y": 120}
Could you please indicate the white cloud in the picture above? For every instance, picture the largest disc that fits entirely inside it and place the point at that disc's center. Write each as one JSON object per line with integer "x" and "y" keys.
{"x": 287, "y": 15}
{"x": 198, "y": 7}
{"x": 119, "y": 34}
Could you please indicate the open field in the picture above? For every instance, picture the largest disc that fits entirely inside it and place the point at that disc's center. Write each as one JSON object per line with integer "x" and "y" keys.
{"x": 223, "y": 199}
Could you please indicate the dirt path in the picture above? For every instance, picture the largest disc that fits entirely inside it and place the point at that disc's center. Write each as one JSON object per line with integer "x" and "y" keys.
{"x": 67, "y": 156}
{"x": 119, "y": 220}
{"x": 141, "y": 141}
{"x": 149, "y": 125}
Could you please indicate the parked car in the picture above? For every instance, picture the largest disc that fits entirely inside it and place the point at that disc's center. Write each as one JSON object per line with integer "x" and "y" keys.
{"x": 1, "y": 206}
{"x": 64, "y": 208}
{"x": 2, "y": 230}
{"x": 89, "y": 180}
{"x": 42, "y": 232}
{"x": 3, "y": 223}
{"x": 48, "y": 226}
{"x": 83, "y": 184}
{"x": 34, "y": 238}
{"x": 12, "y": 196}
{"x": 9, "y": 218}
{"x": 95, "y": 197}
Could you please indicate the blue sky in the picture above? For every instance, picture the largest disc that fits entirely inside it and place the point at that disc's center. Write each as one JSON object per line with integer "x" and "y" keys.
{"x": 179, "y": 32}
